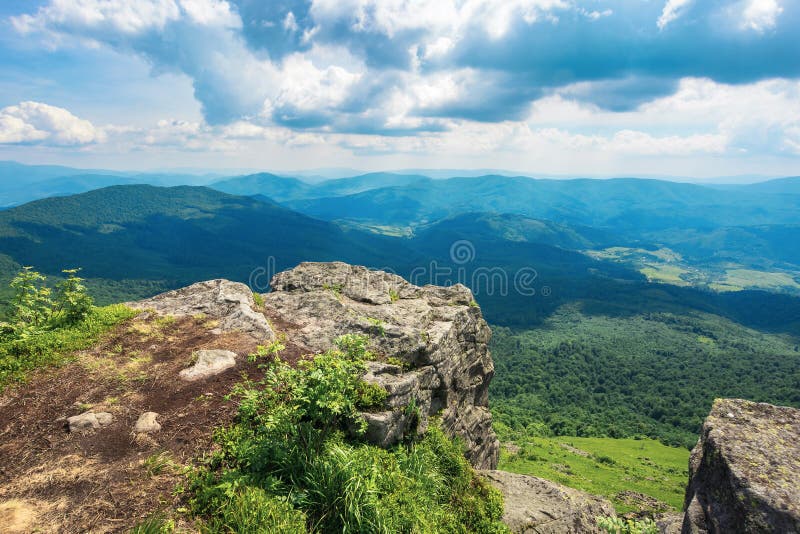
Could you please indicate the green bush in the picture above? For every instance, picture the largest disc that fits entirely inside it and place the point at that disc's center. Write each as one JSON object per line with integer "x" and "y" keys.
{"x": 36, "y": 307}
{"x": 294, "y": 455}
{"x": 617, "y": 525}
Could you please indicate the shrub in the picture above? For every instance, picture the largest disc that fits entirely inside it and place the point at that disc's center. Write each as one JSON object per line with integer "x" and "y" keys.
{"x": 294, "y": 455}
{"x": 72, "y": 303}
{"x": 617, "y": 525}
{"x": 36, "y": 307}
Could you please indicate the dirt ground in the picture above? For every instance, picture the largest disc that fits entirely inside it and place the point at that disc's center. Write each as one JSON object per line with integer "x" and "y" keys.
{"x": 109, "y": 479}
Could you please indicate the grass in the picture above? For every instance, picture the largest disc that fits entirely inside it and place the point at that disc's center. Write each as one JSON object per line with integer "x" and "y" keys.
{"x": 666, "y": 274}
{"x": 294, "y": 461}
{"x": 605, "y": 466}
{"x": 18, "y": 357}
{"x": 748, "y": 278}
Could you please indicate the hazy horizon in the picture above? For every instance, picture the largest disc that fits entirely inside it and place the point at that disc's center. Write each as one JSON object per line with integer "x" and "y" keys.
{"x": 674, "y": 88}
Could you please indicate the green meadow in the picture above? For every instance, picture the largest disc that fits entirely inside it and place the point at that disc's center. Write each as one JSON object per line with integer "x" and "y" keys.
{"x": 606, "y": 467}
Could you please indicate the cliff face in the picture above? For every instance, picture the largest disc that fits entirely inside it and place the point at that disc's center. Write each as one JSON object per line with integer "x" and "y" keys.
{"x": 434, "y": 338}
{"x": 744, "y": 473}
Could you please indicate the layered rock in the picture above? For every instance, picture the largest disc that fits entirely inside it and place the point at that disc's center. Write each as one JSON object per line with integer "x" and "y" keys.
{"x": 437, "y": 333}
{"x": 537, "y": 506}
{"x": 744, "y": 473}
{"x": 230, "y": 302}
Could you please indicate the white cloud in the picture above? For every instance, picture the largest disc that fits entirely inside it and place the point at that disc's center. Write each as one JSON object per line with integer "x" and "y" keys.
{"x": 761, "y": 15}
{"x": 34, "y": 122}
{"x": 672, "y": 10}
{"x": 128, "y": 17}
{"x": 305, "y": 86}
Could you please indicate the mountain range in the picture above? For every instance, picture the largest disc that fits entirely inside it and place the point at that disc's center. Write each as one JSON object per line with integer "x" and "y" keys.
{"x": 579, "y": 278}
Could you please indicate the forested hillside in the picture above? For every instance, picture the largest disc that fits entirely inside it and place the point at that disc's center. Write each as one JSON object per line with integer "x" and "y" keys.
{"x": 651, "y": 374}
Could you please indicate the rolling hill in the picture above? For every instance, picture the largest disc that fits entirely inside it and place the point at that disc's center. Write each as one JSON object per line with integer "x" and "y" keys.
{"x": 175, "y": 235}
{"x": 625, "y": 205}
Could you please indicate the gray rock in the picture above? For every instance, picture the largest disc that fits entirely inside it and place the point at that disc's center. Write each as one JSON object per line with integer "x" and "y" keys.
{"x": 537, "y": 506}
{"x": 147, "y": 423}
{"x": 744, "y": 472}
{"x": 438, "y": 331}
{"x": 89, "y": 421}
{"x": 669, "y": 523}
{"x": 230, "y": 302}
{"x": 209, "y": 363}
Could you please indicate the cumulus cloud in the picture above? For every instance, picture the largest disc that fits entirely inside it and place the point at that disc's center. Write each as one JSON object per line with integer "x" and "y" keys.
{"x": 34, "y": 122}
{"x": 398, "y": 67}
{"x": 761, "y": 15}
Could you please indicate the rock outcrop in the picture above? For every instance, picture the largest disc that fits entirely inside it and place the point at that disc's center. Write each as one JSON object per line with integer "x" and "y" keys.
{"x": 230, "y": 302}
{"x": 744, "y": 473}
{"x": 537, "y": 506}
{"x": 437, "y": 333}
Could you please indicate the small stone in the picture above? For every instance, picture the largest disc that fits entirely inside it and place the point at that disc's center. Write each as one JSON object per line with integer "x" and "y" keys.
{"x": 147, "y": 423}
{"x": 209, "y": 363}
{"x": 89, "y": 421}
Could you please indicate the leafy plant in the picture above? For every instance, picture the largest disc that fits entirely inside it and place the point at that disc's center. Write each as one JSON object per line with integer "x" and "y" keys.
{"x": 72, "y": 302}
{"x": 378, "y": 325}
{"x": 35, "y": 306}
{"x": 403, "y": 364}
{"x": 267, "y": 351}
{"x": 155, "y": 524}
{"x": 293, "y": 461}
{"x": 31, "y": 305}
{"x": 371, "y": 396}
{"x": 617, "y": 525}
{"x": 258, "y": 299}
{"x": 394, "y": 296}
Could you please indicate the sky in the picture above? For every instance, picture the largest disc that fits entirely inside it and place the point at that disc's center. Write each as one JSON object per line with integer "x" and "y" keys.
{"x": 696, "y": 88}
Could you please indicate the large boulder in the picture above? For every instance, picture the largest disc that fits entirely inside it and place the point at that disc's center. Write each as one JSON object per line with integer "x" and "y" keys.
{"x": 537, "y": 506}
{"x": 435, "y": 338}
{"x": 744, "y": 473}
{"x": 231, "y": 303}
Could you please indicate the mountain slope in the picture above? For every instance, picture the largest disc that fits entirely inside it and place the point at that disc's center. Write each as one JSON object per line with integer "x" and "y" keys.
{"x": 625, "y": 204}
{"x": 282, "y": 189}
{"x": 278, "y": 188}
{"x": 180, "y": 234}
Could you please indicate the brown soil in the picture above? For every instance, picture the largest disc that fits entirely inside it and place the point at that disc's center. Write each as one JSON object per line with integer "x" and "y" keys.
{"x": 52, "y": 480}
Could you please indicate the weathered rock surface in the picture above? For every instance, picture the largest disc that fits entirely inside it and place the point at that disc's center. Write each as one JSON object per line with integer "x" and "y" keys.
{"x": 744, "y": 473}
{"x": 89, "y": 421}
{"x": 147, "y": 423}
{"x": 209, "y": 363}
{"x": 230, "y": 302}
{"x": 537, "y": 506}
{"x": 438, "y": 332}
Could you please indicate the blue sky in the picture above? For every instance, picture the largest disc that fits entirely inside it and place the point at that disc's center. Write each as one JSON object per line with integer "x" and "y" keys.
{"x": 592, "y": 87}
